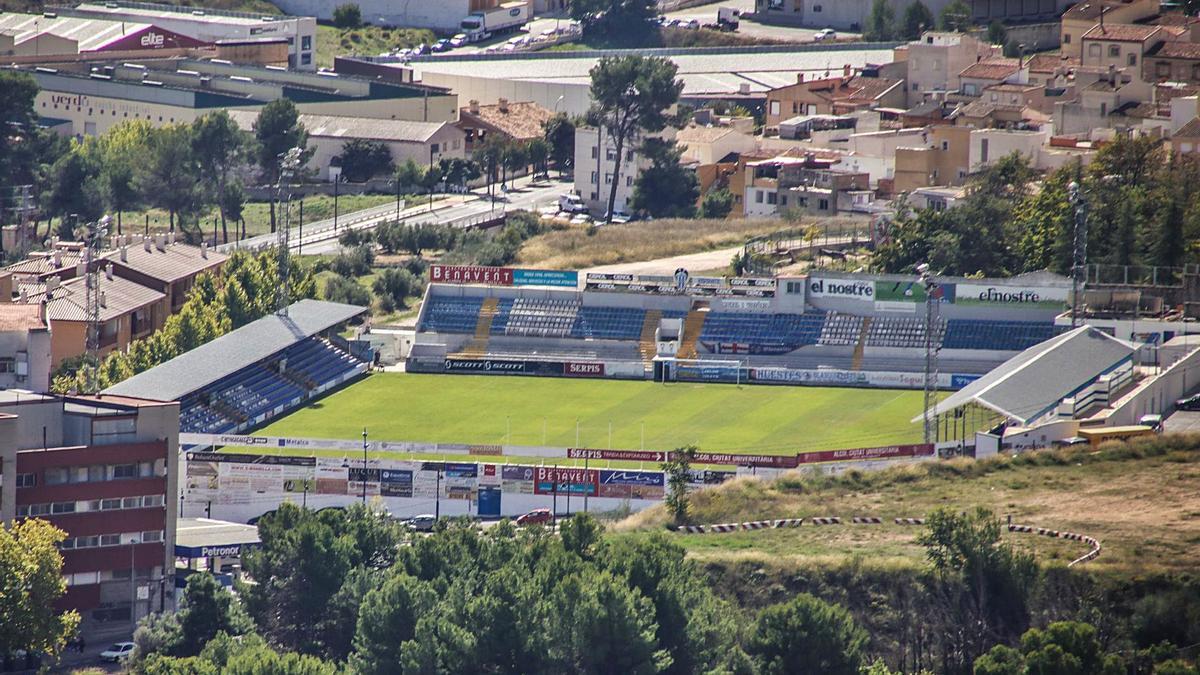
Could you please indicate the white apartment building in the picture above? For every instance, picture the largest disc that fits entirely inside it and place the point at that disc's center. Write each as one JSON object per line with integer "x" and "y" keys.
{"x": 935, "y": 60}
{"x": 595, "y": 162}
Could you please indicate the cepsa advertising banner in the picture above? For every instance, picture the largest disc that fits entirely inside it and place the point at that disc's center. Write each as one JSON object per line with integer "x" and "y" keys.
{"x": 563, "y": 481}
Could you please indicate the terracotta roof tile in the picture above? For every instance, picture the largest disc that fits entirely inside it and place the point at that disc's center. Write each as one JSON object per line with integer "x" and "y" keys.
{"x": 1121, "y": 32}
{"x": 18, "y": 317}
{"x": 1176, "y": 50}
{"x": 991, "y": 69}
{"x": 521, "y": 120}
{"x": 1046, "y": 63}
{"x": 699, "y": 134}
{"x": 1189, "y": 130}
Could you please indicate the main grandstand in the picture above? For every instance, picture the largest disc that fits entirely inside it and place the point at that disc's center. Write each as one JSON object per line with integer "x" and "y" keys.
{"x": 257, "y": 372}
{"x": 822, "y": 328}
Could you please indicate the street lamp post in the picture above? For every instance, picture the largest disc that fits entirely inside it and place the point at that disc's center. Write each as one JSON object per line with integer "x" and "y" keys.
{"x": 364, "y": 476}
{"x": 336, "y": 182}
{"x": 133, "y": 583}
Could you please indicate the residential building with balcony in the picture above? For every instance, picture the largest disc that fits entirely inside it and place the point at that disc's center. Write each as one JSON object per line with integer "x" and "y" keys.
{"x": 1083, "y": 16}
{"x": 24, "y": 347}
{"x": 105, "y": 471}
{"x": 802, "y": 184}
{"x": 936, "y": 60}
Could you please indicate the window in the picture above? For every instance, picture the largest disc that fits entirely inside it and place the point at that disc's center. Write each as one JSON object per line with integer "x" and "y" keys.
{"x": 594, "y": 151}
{"x": 823, "y": 204}
{"x": 152, "y": 500}
{"x": 97, "y": 472}
{"x": 816, "y": 8}
{"x": 628, "y": 181}
{"x": 1114, "y": 51}
{"x": 594, "y": 179}
{"x": 610, "y": 154}
{"x": 945, "y": 145}
{"x": 62, "y": 507}
{"x": 774, "y": 107}
{"x": 131, "y": 503}
{"x": 305, "y": 59}
{"x": 8, "y": 365}
{"x": 915, "y": 87}
{"x": 57, "y": 475}
{"x": 155, "y": 536}
{"x": 124, "y": 471}
{"x": 305, "y": 43}
{"x": 433, "y": 148}
{"x": 607, "y": 178}
{"x": 758, "y": 197}
{"x": 969, "y": 89}
{"x": 1132, "y": 60}
{"x": 771, "y": 197}
{"x": 110, "y": 539}
{"x": 794, "y": 287}
{"x": 795, "y": 107}
{"x": 1066, "y": 38}
{"x": 26, "y": 480}
{"x": 983, "y": 151}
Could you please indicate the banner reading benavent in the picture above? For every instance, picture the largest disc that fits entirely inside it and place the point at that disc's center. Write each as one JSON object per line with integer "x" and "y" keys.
{"x": 501, "y": 276}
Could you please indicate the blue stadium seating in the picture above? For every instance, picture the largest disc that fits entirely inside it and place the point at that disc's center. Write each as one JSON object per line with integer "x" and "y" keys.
{"x": 996, "y": 335}
{"x": 764, "y": 332}
{"x": 452, "y": 315}
{"x": 260, "y": 388}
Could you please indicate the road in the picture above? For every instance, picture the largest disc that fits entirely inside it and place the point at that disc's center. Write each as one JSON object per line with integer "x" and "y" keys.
{"x": 708, "y": 14}
{"x": 708, "y": 260}
{"x": 460, "y": 210}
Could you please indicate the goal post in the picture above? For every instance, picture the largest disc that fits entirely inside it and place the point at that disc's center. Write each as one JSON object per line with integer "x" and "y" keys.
{"x": 731, "y": 371}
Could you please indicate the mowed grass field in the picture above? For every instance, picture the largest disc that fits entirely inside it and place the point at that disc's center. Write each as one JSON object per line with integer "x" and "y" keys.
{"x": 482, "y": 409}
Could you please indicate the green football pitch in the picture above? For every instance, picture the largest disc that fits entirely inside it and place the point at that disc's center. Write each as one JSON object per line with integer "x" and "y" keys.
{"x": 485, "y": 409}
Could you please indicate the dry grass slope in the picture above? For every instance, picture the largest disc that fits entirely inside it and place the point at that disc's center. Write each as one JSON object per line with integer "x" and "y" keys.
{"x": 634, "y": 242}
{"x": 1141, "y": 499}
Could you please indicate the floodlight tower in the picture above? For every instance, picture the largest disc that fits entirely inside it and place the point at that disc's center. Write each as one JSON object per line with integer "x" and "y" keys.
{"x": 932, "y": 347}
{"x": 289, "y": 162}
{"x": 94, "y": 242}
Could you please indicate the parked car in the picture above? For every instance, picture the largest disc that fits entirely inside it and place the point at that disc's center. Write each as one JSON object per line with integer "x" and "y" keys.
{"x": 421, "y": 523}
{"x": 535, "y": 517}
{"x": 692, "y": 25}
{"x": 620, "y": 217}
{"x": 441, "y": 45}
{"x": 824, "y": 35}
{"x": 1190, "y": 403}
{"x": 458, "y": 40}
{"x": 572, "y": 203}
{"x": 420, "y": 49}
{"x": 118, "y": 653}
{"x": 581, "y": 219}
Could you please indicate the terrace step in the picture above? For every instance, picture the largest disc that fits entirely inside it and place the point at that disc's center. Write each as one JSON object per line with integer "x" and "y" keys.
{"x": 483, "y": 328}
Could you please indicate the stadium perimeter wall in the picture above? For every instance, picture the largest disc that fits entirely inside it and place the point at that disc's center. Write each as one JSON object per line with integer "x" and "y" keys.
{"x": 241, "y": 486}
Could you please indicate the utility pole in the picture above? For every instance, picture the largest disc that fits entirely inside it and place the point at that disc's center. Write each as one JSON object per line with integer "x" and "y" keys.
{"x": 364, "y": 476}
{"x": 96, "y": 231}
{"x": 1079, "y": 250}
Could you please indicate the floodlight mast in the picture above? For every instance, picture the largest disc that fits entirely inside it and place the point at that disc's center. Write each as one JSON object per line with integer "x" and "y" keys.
{"x": 289, "y": 162}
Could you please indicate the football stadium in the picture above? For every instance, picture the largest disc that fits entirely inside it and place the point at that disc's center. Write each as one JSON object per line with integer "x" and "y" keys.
{"x": 516, "y": 387}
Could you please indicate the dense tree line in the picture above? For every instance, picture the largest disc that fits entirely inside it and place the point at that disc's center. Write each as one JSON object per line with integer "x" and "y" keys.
{"x": 1143, "y": 208}
{"x": 346, "y": 590}
{"x": 245, "y": 290}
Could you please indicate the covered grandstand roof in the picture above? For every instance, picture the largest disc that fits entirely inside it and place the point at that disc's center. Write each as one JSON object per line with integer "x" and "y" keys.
{"x": 1033, "y": 382}
{"x": 234, "y": 351}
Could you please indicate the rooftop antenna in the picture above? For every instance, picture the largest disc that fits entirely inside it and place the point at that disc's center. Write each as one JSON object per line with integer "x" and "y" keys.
{"x": 289, "y": 162}
{"x": 94, "y": 241}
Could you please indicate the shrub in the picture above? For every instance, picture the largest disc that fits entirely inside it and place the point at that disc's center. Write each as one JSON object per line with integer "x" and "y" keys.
{"x": 347, "y": 16}
{"x": 341, "y": 289}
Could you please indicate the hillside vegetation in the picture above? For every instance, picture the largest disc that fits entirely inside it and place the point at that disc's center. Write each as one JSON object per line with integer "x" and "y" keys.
{"x": 1140, "y": 499}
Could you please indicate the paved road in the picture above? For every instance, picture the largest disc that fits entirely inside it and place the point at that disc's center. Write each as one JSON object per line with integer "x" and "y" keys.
{"x": 461, "y": 210}
{"x": 708, "y": 260}
{"x": 708, "y": 14}
{"x": 1182, "y": 421}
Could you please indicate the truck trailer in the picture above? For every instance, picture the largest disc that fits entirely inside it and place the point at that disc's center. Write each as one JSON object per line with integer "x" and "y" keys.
{"x": 508, "y": 16}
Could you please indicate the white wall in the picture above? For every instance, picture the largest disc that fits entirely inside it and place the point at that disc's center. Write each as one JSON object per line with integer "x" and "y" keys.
{"x": 488, "y": 90}
{"x": 436, "y": 14}
{"x": 1001, "y": 143}
{"x": 593, "y": 169}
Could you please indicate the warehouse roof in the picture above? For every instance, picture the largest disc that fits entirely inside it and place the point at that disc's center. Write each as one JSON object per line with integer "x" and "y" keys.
{"x": 90, "y": 34}
{"x": 335, "y": 126}
{"x": 254, "y": 342}
{"x": 1033, "y": 382}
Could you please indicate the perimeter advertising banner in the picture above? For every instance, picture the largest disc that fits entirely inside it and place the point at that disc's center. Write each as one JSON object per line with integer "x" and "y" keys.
{"x": 501, "y": 276}
{"x": 1041, "y": 297}
{"x": 564, "y": 480}
{"x": 632, "y": 484}
{"x": 524, "y": 367}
